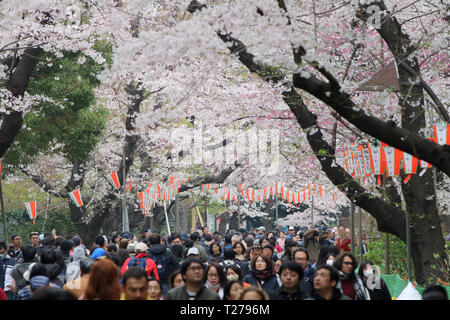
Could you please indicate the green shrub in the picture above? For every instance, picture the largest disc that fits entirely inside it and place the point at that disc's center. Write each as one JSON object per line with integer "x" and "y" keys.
{"x": 398, "y": 255}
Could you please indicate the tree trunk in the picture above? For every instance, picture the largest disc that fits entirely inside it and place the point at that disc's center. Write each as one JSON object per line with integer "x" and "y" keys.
{"x": 12, "y": 123}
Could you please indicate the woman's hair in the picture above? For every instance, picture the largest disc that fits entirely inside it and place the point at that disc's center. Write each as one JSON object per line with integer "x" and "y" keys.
{"x": 290, "y": 243}
{"x": 103, "y": 281}
{"x": 324, "y": 251}
{"x": 172, "y": 277}
{"x": 333, "y": 249}
{"x": 235, "y": 268}
{"x": 329, "y": 255}
{"x": 220, "y": 272}
{"x": 212, "y": 245}
{"x": 340, "y": 259}
{"x": 227, "y": 289}
{"x": 362, "y": 266}
{"x": 262, "y": 294}
{"x": 268, "y": 261}
{"x": 242, "y": 246}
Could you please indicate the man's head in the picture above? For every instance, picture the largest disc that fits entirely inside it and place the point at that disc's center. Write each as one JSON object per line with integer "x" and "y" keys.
{"x": 195, "y": 236}
{"x": 99, "y": 240}
{"x": 255, "y": 250}
{"x": 28, "y": 253}
{"x": 346, "y": 262}
{"x": 155, "y": 238}
{"x": 192, "y": 270}
{"x": 16, "y": 240}
{"x": 300, "y": 256}
{"x": 326, "y": 278}
{"x": 291, "y": 230}
{"x": 135, "y": 284}
{"x": 34, "y": 238}
{"x": 175, "y": 239}
{"x": 3, "y": 249}
{"x": 268, "y": 251}
{"x": 260, "y": 231}
{"x": 85, "y": 265}
{"x": 290, "y": 275}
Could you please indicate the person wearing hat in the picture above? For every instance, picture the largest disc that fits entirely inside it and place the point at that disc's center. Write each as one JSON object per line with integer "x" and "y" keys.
{"x": 141, "y": 260}
{"x": 193, "y": 253}
{"x": 98, "y": 253}
{"x": 291, "y": 231}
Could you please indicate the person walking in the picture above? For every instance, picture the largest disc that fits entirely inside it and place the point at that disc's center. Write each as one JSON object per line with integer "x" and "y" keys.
{"x": 166, "y": 263}
{"x": 325, "y": 282}
{"x": 141, "y": 260}
{"x": 290, "y": 275}
{"x": 262, "y": 274}
{"x": 135, "y": 284}
{"x": 370, "y": 275}
{"x": 78, "y": 285}
{"x": 215, "y": 278}
{"x": 301, "y": 257}
{"x": 15, "y": 249}
{"x": 215, "y": 253}
{"x": 289, "y": 247}
{"x": 311, "y": 244}
{"x": 104, "y": 281}
{"x": 350, "y": 283}
{"x": 193, "y": 272}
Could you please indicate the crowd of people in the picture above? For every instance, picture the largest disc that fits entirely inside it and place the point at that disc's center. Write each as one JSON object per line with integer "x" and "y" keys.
{"x": 241, "y": 265}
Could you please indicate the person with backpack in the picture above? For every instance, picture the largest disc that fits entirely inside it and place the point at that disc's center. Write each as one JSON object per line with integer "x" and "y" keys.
{"x": 166, "y": 263}
{"x": 141, "y": 260}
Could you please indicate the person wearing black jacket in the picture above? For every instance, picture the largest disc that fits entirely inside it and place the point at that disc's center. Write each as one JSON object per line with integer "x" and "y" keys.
{"x": 290, "y": 273}
{"x": 325, "y": 282}
{"x": 158, "y": 252}
{"x": 371, "y": 279}
{"x": 262, "y": 274}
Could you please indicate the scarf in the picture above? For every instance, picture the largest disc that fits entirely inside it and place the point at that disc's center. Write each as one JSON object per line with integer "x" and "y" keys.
{"x": 261, "y": 275}
{"x": 360, "y": 291}
{"x": 211, "y": 286}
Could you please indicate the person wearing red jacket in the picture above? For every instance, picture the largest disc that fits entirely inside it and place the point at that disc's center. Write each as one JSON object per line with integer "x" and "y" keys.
{"x": 141, "y": 253}
{"x": 344, "y": 241}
